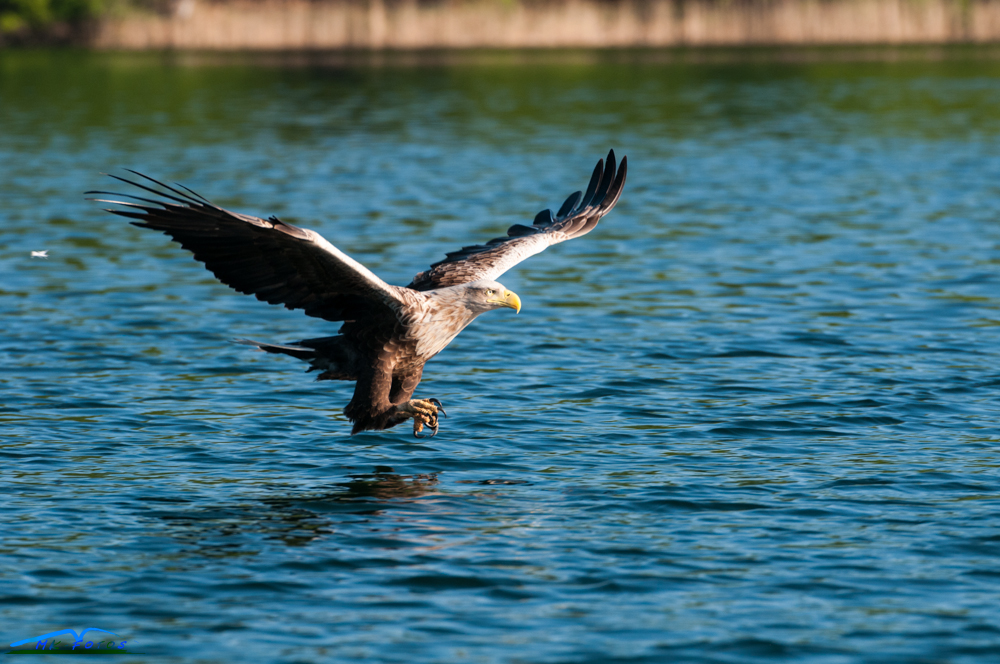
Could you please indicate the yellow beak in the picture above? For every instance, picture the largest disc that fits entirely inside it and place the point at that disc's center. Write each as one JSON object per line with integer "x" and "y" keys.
{"x": 510, "y": 299}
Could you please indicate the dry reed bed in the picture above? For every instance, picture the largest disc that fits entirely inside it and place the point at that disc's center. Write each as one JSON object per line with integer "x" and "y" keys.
{"x": 408, "y": 24}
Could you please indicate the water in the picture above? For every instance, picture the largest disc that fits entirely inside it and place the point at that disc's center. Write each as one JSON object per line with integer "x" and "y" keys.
{"x": 753, "y": 417}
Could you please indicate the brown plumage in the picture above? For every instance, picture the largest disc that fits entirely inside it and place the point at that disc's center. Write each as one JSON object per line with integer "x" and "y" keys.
{"x": 388, "y": 332}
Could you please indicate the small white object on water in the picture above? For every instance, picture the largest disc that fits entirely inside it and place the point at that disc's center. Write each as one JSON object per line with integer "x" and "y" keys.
{"x": 40, "y": 254}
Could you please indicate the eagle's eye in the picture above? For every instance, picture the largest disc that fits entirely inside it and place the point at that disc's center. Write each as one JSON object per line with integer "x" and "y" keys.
{"x": 489, "y": 292}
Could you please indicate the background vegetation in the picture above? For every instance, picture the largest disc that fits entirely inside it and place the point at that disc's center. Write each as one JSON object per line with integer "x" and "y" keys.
{"x": 35, "y": 16}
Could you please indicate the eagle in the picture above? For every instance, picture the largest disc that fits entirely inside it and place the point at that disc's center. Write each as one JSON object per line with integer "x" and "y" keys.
{"x": 387, "y": 333}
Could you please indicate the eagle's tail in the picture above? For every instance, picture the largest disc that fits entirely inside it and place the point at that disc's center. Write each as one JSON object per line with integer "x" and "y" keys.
{"x": 327, "y": 354}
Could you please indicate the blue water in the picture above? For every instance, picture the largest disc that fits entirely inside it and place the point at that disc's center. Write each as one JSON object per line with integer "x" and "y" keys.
{"x": 752, "y": 417}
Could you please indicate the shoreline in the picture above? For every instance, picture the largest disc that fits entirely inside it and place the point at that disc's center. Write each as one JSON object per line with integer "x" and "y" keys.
{"x": 409, "y": 25}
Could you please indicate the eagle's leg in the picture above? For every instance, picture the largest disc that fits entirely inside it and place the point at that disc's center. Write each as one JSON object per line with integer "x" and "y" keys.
{"x": 424, "y": 413}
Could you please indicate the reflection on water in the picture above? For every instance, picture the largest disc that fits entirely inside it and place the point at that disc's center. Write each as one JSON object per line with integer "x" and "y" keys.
{"x": 751, "y": 417}
{"x": 383, "y": 484}
{"x": 295, "y": 520}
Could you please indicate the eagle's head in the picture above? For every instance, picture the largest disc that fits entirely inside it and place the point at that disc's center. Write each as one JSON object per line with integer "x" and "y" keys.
{"x": 483, "y": 296}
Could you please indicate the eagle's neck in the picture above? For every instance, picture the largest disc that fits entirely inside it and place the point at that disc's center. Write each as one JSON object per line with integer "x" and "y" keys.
{"x": 445, "y": 315}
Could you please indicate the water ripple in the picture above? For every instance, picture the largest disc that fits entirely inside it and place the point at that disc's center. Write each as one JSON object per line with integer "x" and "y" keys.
{"x": 751, "y": 418}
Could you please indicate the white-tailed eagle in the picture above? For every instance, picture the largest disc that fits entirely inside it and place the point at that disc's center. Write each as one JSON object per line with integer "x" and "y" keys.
{"x": 388, "y": 332}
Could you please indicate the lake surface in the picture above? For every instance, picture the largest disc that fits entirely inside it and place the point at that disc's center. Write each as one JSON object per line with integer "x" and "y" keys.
{"x": 753, "y": 417}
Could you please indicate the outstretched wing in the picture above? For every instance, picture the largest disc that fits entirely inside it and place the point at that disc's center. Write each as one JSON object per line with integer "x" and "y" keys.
{"x": 577, "y": 216}
{"x": 277, "y": 262}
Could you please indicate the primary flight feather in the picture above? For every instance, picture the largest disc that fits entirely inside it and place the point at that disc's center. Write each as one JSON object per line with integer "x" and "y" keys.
{"x": 388, "y": 332}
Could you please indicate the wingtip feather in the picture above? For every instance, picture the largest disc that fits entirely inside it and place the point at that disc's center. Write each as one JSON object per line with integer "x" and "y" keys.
{"x": 597, "y": 180}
